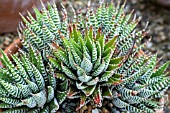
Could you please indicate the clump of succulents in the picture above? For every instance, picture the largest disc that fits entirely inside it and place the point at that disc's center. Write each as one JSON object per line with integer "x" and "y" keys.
{"x": 93, "y": 57}
{"x": 26, "y": 86}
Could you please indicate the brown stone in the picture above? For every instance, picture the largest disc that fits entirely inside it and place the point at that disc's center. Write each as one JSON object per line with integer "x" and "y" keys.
{"x": 104, "y": 110}
{"x": 9, "y": 12}
{"x": 83, "y": 109}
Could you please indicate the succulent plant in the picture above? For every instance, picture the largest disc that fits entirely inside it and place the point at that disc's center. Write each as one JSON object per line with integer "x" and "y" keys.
{"x": 26, "y": 86}
{"x": 142, "y": 85}
{"x": 43, "y": 30}
{"x": 93, "y": 57}
{"x": 86, "y": 61}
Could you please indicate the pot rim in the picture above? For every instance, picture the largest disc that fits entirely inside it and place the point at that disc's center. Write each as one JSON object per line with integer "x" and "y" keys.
{"x": 12, "y": 49}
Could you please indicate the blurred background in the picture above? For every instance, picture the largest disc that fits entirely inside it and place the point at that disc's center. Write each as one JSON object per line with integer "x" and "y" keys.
{"x": 156, "y": 12}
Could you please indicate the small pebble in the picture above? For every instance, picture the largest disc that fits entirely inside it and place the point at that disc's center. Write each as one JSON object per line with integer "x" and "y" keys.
{"x": 149, "y": 45}
{"x": 95, "y": 110}
{"x": 6, "y": 42}
{"x": 104, "y": 110}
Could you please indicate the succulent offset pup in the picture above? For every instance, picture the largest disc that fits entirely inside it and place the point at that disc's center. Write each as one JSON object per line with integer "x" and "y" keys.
{"x": 91, "y": 58}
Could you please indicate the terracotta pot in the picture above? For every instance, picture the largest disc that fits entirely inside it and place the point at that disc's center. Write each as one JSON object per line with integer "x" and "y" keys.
{"x": 165, "y": 3}
{"x": 13, "y": 48}
{"x": 9, "y": 12}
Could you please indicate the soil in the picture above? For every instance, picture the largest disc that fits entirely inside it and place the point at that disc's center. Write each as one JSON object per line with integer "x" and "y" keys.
{"x": 159, "y": 26}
